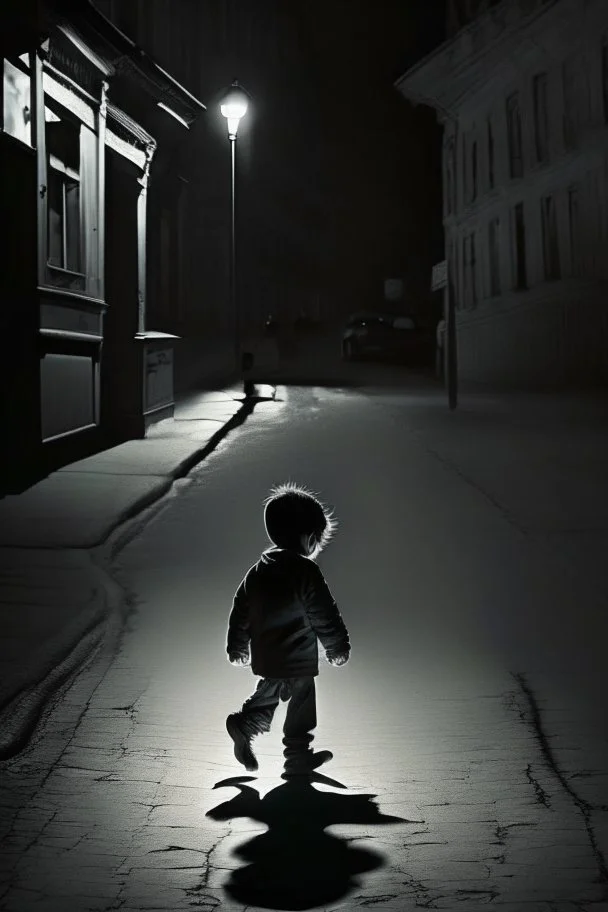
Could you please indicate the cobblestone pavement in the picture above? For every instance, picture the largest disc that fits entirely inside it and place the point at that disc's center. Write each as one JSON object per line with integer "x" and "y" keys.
{"x": 443, "y": 793}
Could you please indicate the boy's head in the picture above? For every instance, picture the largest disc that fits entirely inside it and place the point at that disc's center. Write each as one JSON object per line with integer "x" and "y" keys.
{"x": 296, "y": 519}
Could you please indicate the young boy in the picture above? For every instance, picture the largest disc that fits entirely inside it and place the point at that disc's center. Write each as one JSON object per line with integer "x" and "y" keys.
{"x": 280, "y": 609}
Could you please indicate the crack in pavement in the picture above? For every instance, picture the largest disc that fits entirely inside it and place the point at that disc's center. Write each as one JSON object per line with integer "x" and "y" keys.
{"x": 534, "y": 719}
{"x": 451, "y": 466}
{"x": 541, "y": 795}
{"x": 211, "y": 902}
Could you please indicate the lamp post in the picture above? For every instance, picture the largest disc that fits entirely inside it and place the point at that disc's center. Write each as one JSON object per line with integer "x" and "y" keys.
{"x": 233, "y": 106}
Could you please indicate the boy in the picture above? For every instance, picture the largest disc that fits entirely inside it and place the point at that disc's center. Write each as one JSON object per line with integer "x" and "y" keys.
{"x": 280, "y": 609}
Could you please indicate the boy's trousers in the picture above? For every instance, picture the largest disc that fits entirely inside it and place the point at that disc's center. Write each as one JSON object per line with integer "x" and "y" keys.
{"x": 257, "y": 712}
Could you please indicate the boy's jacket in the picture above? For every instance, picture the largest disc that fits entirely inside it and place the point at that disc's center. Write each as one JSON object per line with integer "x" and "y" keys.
{"x": 280, "y": 609}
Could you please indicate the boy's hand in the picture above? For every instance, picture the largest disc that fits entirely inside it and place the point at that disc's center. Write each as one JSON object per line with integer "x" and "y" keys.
{"x": 341, "y": 658}
{"x": 238, "y": 658}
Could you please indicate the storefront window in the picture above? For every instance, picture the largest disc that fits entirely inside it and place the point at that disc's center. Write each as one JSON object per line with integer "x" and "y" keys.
{"x": 17, "y": 101}
{"x": 63, "y": 177}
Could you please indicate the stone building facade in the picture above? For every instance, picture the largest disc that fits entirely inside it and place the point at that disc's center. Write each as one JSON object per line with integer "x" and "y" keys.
{"x": 522, "y": 94}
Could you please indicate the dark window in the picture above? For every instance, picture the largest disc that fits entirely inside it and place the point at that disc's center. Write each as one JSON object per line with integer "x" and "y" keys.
{"x": 474, "y": 171}
{"x": 470, "y": 270}
{"x": 516, "y": 164}
{"x": 490, "y": 154}
{"x": 463, "y": 273}
{"x": 494, "y": 251}
{"x": 569, "y": 94}
{"x": 605, "y": 77}
{"x": 541, "y": 118}
{"x": 519, "y": 225}
{"x": 575, "y": 230}
{"x": 550, "y": 238}
{"x": 465, "y": 182}
{"x": 63, "y": 202}
{"x": 449, "y": 176}
{"x": 452, "y": 267}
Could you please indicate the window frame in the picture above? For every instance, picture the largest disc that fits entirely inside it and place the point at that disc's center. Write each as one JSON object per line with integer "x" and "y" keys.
{"x": 574, "y": 230}
{"x": 520, "y": 262}
{"x": 64, "y": 275}
{"x": 604, "y": 76}
{"x": 515, "y": 137}
{"x": 540, "y": 103}
{"x": 552, "y": 267}
{"x": 491, "y": 151}
{"x": 70, "y": 102}
{"x": 471, "y": 296}
{"x": 495, "y": 285}
{"x": 474, "y": 171}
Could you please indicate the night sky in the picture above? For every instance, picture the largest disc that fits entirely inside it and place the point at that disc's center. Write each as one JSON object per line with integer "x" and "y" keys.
{"x": 386, "y": 154}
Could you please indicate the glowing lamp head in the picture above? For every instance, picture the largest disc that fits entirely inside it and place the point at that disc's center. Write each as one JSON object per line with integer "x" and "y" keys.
{"x": 233, "y": 107}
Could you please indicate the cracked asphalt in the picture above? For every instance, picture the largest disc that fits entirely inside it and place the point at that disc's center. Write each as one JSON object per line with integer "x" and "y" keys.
{"x": 467, "y": 769}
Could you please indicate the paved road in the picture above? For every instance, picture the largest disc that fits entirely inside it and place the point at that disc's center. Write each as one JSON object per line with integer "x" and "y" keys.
{"x": 445, "y": 792}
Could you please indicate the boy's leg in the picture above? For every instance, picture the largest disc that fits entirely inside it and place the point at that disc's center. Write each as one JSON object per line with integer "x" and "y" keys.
{"x": 300, "y": 721}
{"x": 258, "y": 710}
{"x": 254, "y": 718}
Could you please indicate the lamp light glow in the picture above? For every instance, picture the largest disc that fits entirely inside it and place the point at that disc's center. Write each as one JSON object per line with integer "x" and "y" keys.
{"x": 233, "y": 107}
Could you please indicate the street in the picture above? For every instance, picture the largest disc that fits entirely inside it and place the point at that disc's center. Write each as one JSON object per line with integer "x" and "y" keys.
{"x": 469, "y": 740}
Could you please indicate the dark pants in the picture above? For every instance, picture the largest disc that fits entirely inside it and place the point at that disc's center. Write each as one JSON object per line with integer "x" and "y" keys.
{"x": 257, "y": 712}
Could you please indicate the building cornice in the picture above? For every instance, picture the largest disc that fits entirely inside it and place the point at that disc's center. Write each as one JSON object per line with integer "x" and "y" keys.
{"x": 121, "y": 55}
{"x": 491, "y": 50}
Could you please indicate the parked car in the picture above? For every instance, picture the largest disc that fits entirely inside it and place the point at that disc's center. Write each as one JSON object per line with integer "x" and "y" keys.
{"x": 380, "y": 336}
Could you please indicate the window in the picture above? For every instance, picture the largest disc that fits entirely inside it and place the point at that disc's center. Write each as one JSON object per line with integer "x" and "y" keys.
{"x": 516, "y": 164}
{"x": 605, "y": 76}
{"x": 63, "y": 191}
{"x": 569, "y": 93}
{"x": 577, "y": 99}
{"x": 490, "y": 153}
{"x": 449, "y": 178}
{"x": 17, "y": 100}
{"x": 474, "y": 171}
{"x": 470, "y": 270}
{"x": 465, "y": 182}
{"x": 575, "y": 230}
{"x": 519, "y": 227}
{"x": 494, "y": 252}
{"x": 550, "y": 238}
{"x": 452, "y": 267}
{"x": 541, "y": 118}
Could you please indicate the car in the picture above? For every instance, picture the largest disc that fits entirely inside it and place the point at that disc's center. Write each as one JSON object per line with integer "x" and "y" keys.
{"x": 382, "y": 336}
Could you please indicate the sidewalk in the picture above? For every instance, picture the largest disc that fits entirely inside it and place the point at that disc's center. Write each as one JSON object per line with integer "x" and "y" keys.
{"x": 56, "y": 603}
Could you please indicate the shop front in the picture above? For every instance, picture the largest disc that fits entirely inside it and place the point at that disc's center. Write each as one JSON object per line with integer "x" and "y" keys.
{"x": 83, "y": 369}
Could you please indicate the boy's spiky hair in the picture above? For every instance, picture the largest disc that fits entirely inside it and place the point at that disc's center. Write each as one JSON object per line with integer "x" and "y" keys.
{"x": 292, "y": 510}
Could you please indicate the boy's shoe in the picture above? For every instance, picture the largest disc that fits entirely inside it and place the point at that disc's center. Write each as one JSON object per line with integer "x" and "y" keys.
{"x": 242, "y": 745}
{"x": 301, "y": 766}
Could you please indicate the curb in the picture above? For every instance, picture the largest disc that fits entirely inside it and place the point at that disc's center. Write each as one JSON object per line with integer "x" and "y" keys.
{"x": 102, "y": 625}
{"x": 66, "y": 654}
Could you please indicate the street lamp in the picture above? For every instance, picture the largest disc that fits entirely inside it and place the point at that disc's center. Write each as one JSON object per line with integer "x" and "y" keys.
{"x": 233, "y": 106}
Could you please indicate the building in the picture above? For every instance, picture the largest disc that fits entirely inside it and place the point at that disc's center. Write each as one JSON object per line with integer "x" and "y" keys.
{"x": 89, "y": 131}
{"x": 521, "y": 89}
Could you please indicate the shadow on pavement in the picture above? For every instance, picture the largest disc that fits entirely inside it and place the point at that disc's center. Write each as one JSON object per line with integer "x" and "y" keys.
{"x": 296, "y": 864}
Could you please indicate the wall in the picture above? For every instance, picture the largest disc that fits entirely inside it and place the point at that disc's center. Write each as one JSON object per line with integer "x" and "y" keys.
{"x": 555, "y": 330}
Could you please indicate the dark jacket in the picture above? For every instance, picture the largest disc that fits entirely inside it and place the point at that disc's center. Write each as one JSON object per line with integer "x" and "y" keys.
{"x": 280, "y": 609}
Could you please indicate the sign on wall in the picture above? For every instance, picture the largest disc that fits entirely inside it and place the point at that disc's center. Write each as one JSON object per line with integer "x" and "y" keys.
{"x": 439, "y": 276}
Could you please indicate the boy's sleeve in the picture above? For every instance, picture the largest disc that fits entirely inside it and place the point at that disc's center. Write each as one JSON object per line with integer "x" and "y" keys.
{"x": 237, "y": 640}
{"x": 324, "y": 616}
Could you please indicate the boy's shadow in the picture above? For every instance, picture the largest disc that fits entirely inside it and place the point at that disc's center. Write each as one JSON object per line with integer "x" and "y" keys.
{"x": 296, "y": 864}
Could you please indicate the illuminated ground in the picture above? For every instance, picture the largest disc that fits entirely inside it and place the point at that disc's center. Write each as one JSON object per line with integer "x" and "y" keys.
{"x": 470, "y": 709}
